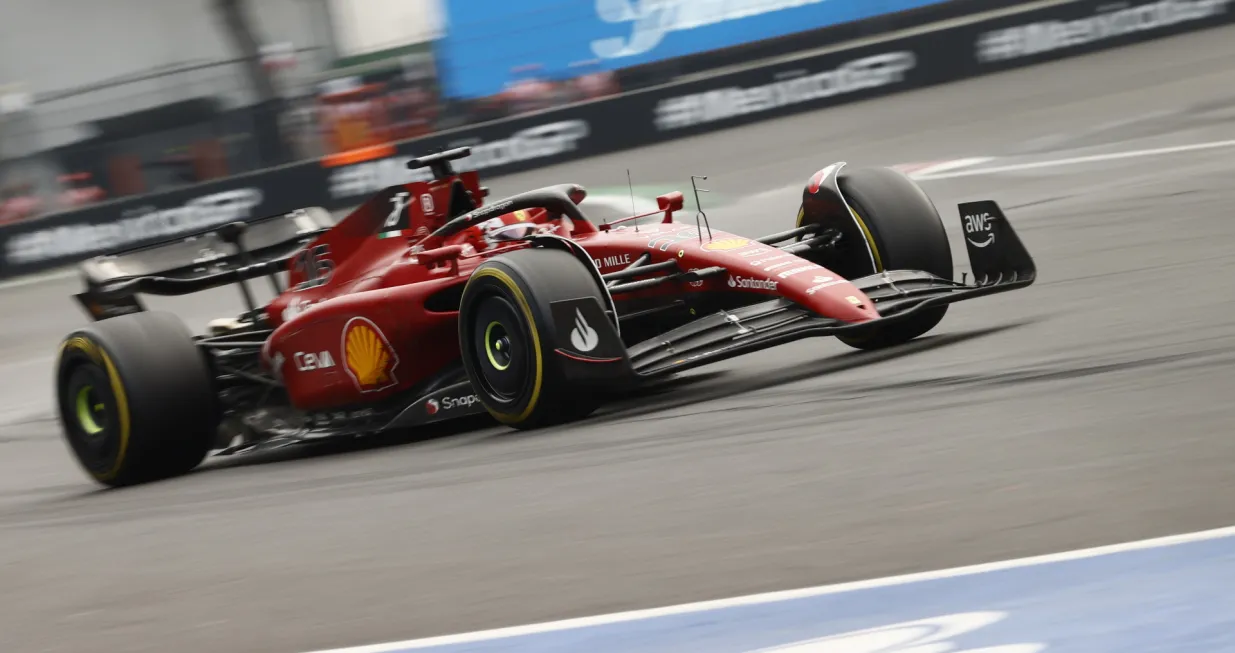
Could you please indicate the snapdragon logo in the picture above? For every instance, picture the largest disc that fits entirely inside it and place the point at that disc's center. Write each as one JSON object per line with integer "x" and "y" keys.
{"x": 525, "y": 145}
{"x": 134, "y": 226}
{"x": 651, "y": 20}
{"x": 434, "y": 406}
{"x": 721, "y": 104}
{"x": 1048, "y": 36}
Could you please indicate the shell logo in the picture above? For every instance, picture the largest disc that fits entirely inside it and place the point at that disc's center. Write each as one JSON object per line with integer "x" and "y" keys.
{"x": 726, "y": 244}
{"x": 368, "y": 356}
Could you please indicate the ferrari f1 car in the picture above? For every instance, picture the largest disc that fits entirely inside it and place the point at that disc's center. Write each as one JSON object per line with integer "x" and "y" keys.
{"x": 426, "y": 303}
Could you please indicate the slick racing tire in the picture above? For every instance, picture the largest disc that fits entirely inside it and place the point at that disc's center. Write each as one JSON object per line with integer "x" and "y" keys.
{"x": 506, "y": 337}
{"x": 136, "y": 399}
{"x": 904, "y": 232}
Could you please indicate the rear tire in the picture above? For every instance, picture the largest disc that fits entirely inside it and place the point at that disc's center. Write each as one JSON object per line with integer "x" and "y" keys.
{"x": 136, "y": 399}
{"x": 904, "y": 232}
{"x": 506, "y": 337}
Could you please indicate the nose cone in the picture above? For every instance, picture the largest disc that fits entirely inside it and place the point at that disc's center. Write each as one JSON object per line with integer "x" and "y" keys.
{"x": 756, "y": 267}
{"x": 829, "y": 295}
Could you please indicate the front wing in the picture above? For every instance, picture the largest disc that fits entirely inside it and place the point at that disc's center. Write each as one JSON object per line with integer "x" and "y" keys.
{"x": 897, "y": 295}
{"x": 998, "y": 259}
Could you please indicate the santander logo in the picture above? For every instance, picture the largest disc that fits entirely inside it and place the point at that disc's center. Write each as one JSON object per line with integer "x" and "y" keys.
{"x": 747, "y": 283}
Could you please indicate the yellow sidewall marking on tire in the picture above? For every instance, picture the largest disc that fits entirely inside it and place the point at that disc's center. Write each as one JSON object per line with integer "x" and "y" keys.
{"x": 122, "y": 407}
{"x": 506, "y": 280}
{"x": 92, "y": 350}
{"x": 866, "y": 233}
{"x": 870, "y": 240}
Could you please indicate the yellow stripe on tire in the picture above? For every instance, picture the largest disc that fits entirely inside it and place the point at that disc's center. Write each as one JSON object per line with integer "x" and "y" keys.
{"x": 506, "y": 280}
{"x": 870, "y": 240}
{"x": 122, "y": 408}
{"x": 96, "y": 353}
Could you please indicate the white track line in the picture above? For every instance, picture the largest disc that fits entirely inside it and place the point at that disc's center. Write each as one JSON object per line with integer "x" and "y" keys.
{"x": 917, "y": 170}
{"x": 771, "y": 597}
{"x": 1095, "y": 158}
{"x": 38, "y": 278}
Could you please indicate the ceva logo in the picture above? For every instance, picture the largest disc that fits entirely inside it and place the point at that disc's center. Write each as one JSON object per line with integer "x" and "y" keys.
{"x": 651, "y": 20}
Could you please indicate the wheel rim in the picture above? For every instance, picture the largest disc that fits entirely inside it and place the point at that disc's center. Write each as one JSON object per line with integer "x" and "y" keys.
{"x": 91, "y": 411}
{"x": 500, "y": 345}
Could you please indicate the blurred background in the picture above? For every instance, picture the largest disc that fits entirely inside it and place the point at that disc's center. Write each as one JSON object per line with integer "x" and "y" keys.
{"x": 1092, "y": 409}
{"x": 141, "y": 97}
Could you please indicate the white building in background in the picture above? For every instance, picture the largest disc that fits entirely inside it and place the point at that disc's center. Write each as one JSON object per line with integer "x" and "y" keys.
{"x": 367, "y": 26}
{"x": 50, "y": 47}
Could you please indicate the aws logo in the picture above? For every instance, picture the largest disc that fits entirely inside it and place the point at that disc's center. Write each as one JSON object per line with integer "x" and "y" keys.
{"x": 368, "y": 356}
{"x": 979, "y": 229}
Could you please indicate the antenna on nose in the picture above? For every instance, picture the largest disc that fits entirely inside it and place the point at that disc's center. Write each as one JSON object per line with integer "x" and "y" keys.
{"x": 633, "y": 210}
{"x": 699, "y": 207}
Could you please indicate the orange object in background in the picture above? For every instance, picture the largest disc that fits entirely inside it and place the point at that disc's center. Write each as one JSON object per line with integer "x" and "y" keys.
{"x": 354, "y": 118}
{"x": 373, "y": 115}
{"x": 80, "y": 190}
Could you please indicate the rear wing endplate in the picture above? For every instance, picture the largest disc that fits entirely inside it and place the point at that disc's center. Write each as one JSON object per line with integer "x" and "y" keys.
{"x": 199, "y": 261}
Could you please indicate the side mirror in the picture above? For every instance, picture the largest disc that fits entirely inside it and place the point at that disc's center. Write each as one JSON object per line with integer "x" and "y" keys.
{"x": 669, "y": 203}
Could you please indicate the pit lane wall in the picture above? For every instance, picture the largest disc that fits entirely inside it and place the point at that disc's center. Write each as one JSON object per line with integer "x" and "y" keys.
{"x": 901, "y": 62}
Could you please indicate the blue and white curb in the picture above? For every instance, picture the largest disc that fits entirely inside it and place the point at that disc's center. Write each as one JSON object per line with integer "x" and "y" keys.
{"x": 1169, "y": 594}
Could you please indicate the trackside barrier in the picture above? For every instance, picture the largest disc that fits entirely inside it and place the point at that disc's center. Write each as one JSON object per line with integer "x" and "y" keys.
{"x": 893, "y": 65}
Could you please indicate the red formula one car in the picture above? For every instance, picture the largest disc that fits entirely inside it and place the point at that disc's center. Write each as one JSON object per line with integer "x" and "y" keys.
{"x": 425, "y": 305}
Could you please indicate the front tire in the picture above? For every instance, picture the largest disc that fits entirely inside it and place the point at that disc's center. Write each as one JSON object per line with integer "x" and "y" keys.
{"x": 506, "y": 337}
{"x": 136, "y": 399}
{"x": 895, "y": 226}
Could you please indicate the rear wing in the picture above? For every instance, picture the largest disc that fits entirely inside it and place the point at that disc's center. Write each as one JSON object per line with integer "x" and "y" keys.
{"x": 211, "y": 258}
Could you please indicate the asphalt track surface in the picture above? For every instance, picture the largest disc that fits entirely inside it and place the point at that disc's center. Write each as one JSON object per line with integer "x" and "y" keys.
{"x": 1094, "y": 407}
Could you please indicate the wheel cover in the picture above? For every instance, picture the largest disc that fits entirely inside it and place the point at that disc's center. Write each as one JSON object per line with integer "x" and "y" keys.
{"x": 91, "y": 412}
{"x": 501, "y": 349}
{"x": 91, "y": 422}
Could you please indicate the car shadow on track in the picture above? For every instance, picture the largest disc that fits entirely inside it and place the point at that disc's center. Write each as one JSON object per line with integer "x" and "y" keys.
{"x": 657, "y": 398}
{"x": 466, "y": 430}
{"x": 661, "y": 395}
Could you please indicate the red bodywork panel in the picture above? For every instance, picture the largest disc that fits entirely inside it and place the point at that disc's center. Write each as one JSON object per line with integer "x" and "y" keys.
{"x": 358, "y": 322}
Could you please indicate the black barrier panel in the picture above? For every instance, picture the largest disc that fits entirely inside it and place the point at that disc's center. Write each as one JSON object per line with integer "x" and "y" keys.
{"x": 132, "y": 222}
{"x": 636, "y": 119}
{"x": 928, "y": 59}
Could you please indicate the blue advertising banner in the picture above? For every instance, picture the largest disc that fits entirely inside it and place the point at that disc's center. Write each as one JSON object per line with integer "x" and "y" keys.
{"x": 486, "y": 41}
